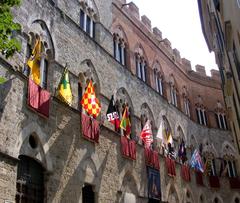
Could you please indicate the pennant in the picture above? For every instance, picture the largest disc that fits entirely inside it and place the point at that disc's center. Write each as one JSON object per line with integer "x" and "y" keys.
{"x": 147, "y": 135}
{"x": 64, "y": 91}
{"x": 89, "y": 102}
{"x": 182, "y": 152}
{"x": 112, "y": 114}
{"x": 196, "y": 161}
{"x": 34, "y": 62}
{"x": 125, "y": 122}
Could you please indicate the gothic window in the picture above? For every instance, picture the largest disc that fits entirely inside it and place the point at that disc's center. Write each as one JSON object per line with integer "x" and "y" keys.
{"x": 220, "y": 117}
{"x": 231, "y": 166}
{"x": 186, "y": 106}
{"x": 41, "y": 62}
{"x": 30, "y": 181}
{"x": 141, "y": 66}
{"x": 173, "y": 94}
{"x": 119, "y": 49}
{"x": 88, "y": 18}
{"x": 201, "y": 115}
{"x": 236, "y": 60}
{"x": 88, "y": 195}
{"x": 158, "y": 82}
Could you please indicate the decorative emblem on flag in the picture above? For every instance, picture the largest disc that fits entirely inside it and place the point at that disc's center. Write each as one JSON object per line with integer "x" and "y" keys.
{"x": 90, "y": 102}
{"x": 147, "y": 135}
{"x": 196, "y": 161}
{"x": 64, "y": 89}
{"x": 112, "y": 114}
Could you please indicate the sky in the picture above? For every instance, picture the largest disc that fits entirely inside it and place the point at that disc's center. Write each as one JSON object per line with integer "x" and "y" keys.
{"x": 179, "y": 22}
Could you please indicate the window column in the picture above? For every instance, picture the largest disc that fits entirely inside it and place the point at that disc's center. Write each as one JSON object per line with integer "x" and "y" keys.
{"x": 143, "y": 67}
{"x": 117, "y": 49}
{"x": 138, "y": 66}
{"x": 122, "y": 53}
{"x": 219, "y": 120}
{"x": 199, "y": 115}
{"x": 42, "y": 71}
{"x": 85, "y": 22}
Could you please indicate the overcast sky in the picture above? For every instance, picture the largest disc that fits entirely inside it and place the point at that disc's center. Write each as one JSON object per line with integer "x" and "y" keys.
{"x": 179, "y": 22}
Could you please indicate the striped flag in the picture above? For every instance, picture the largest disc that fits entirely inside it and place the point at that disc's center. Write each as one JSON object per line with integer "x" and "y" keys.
{"x": 146, "y": 134}
{"x": 196, "y": 161}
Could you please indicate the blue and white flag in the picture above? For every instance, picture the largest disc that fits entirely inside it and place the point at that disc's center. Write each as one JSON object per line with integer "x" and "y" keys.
{"x": 196, "y": 161}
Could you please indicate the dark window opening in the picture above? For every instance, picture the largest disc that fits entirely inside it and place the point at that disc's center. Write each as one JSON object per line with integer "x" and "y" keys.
{"x": 88, "y": 194}
{"x": 30, "y": 181}
{"x": 88, "y": 27}
{"x": 82, "y": 19}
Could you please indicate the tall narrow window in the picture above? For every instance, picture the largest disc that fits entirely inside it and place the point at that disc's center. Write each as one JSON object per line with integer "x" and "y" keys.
{"x": 158, "y": 82}
{"x": 88, "y": 195}
{"x": 201, "y": 116}
{"x": 187, "y": 107}
{"x": 87, "y": 22}
{"x": 173, "y": 93}
{"x": 30, "y": 181}
{"x": 221, "y": 120}
{"x": 141, "y": 67}
{"x": 119, "y": 49}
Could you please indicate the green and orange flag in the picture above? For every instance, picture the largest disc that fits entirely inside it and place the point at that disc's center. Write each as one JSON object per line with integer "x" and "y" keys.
{"x": 125, "y": 122}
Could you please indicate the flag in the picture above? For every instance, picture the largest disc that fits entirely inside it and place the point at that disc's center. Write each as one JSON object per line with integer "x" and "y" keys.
{"x": 112, "y": 114}
{"x": 154, "y": 184}
{"x": 125, "y": 122}
{"x": 196, "y": 161}
{"x": 146, "y": 134}
{"x": 182, "y": 153}
{"x": 2, "y": 80}
{"x": 90, "y": 102}
{"x": 208, "y": 166}
{"x": 34, "y": 62}
{"x": 64, "y": 91}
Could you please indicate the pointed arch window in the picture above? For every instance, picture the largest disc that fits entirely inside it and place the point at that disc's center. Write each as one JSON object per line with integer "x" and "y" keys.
{"x": 231, "y": 168}
{"x": 221, "y": 120}
{"x": 141, "y": 67}
{"x": 186, "y": 106}
{"x": 41, "y": 62}
{"x": 201, "y": 115}
{"x": 119, "y": 49}
{"x": 88, "y": 195}
{"x": 87, "y": 19}
{"x": 173, "y": 94}
{"x": 158, "y": 82}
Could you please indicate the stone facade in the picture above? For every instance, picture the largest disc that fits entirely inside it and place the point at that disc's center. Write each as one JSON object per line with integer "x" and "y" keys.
{"x": 69, "y": 160}
{"x": 221, "y": 30}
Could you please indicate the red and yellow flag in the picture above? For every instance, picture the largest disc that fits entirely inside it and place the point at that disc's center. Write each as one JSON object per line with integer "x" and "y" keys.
{"x": 125, "y": 122}
{"x": 89, "y": 102}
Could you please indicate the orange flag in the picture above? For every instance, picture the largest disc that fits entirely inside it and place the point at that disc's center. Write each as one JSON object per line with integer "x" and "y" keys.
{"x": 90, "y": 102}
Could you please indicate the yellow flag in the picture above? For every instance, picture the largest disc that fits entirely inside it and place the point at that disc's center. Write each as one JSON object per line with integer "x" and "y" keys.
{"x": 34, "y": 62}
{"x": 64, "y": 89}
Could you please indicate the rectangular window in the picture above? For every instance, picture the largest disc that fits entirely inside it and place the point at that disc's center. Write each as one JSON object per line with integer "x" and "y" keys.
{"x": 88, "y": 27}
{"x": 87, "y": 194}
{"x": 236, "y": 60}
{"x": 82, "y": 19}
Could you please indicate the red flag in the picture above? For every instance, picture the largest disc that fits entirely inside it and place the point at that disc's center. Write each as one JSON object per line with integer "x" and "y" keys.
{"x": 147, "y": 135}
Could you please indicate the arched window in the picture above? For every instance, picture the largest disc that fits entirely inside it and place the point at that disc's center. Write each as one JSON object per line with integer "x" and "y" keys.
{"x": 88, "y": 17}
{"x": 186, "y": 102}
{"x": 173, "y": 94}
{"x": 119, "y": 47}
{"x": 158, "y": 81}
{"x": 41, "y": 62}
{"x": 30, "y": 181}
{"x": 231, "y": 166}
{"x": 141, "y": 66}
{"x": 201, "y": 112}
{"x": 220, "y": 117}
